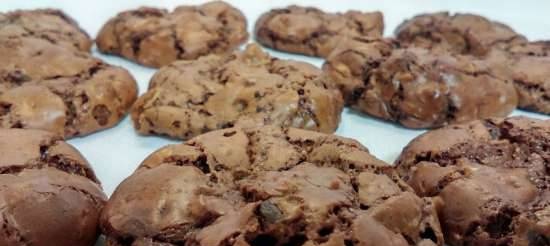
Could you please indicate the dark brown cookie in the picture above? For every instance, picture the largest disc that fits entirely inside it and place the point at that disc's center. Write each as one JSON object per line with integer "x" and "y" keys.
{"x": 310, "y": 31}
{"x": 460, "y": 33}
{"x": 51, "y": 25}
{"x": 62, "y": 90}
{"x": 49, "y": 194}
{"x": 247, "y": 88}
{"x": 267, "y": 186}
{"x": 528, "y": 66}
{"x": 156, "y": 37}
{"x": 417, "y": 87}
{"x": 509, "y": 54}
{"x": 493, "y": 177}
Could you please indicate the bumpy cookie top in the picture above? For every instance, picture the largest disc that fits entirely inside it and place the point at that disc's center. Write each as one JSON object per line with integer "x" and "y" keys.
{"x": 62, "y": 90}
{"x": 417, "y": 87}
{"x": 49, "y": 194}
{"x": 528, "y": 66}
{"x": 156, "y": 37}
{"x": 267, "y": 186}
{"x": 247, "y": 88}
{"x": 461, "y": 33}
{"x": 492, "y": 176}
{"x": 310, "y": 31}
{"x": 51, "y": 25}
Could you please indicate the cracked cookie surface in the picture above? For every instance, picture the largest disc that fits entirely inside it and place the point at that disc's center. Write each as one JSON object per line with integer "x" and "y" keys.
{"x": 417, "y": 87}
{"x": 50, "y": 25}
{"x": 310, "y": 31}
{"x": 267, "y": 186}
{"x": 246, "y": 88}
{"x": 492, "y": 177}
{"x": 509, "y": 54}
{"x": 49, "y": 194}
{"x": 155, "y": 37}
{"x": 461, "y": 33}
{"x": 528, "y": 66}
{"x": 50, "y": 87}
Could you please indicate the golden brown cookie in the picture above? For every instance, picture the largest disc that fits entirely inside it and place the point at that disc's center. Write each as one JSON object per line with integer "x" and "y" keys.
{"x": 246, "y": 88}
{"x": 62, "y": 90}
{"x": 492, "y": 176}
{"x": 417, "y": 87}
{"x": 267, "y": 186}
{"x": 155, "y": 37}
{"x": 49, "y": 194}
{"x": 311, "y": 31}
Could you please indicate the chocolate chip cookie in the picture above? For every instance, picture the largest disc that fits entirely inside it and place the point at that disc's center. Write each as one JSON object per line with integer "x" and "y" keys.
{"x": 460, "y": 33}
{"x": 492, "y": 177}
{"x": 68, "y": 92}
{"x": 49, "y": 194}
{"x": 246, "y": 88}
{"x": 155, "y": 37}
{"x": 311, "y": 31}
{"x": 267, "y": 186}
{"x": 50, "y": 25}
{"x": 417, "y": 87}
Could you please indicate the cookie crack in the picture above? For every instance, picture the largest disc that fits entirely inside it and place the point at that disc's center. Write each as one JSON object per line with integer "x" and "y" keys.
{"x": 97, "y": 201}
{"x": 12, "y": 231}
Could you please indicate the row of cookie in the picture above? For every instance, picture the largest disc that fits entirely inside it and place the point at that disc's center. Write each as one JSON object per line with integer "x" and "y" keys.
{"x": 420, "y": 87}
{"x": 50, "y": 81}
{"x": 465, "y": 67}
{"x": 485, "y": 182}
{"x": 310, "y": 31}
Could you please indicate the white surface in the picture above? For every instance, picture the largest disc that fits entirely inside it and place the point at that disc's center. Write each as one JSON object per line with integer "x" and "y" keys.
{"x": 115, "y": 153}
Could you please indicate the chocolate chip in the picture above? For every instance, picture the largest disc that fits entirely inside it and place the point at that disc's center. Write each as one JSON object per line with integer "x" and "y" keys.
{"x": 101, "y": 114}
{"x": 269, "y": 212}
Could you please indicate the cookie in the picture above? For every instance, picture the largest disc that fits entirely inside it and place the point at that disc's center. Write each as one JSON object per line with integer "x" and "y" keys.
{"x": 311, "y": 31}
{"x": 246, "y": 88}
{"x": 50, "y": 25}
{"x": 51, "y": 87}
{"x": 49, "y": 194}
{"x": 155, "y": 37}
{"x": 528, "y": 66}
{"x": 417, "y": 87}
{"x": 267, "y": 186}
{"x": 460, "y": 33}
{"x": 492, "y": 177}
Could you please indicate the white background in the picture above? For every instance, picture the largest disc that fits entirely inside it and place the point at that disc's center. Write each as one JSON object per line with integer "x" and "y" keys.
{"x": 114, "y": 153}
